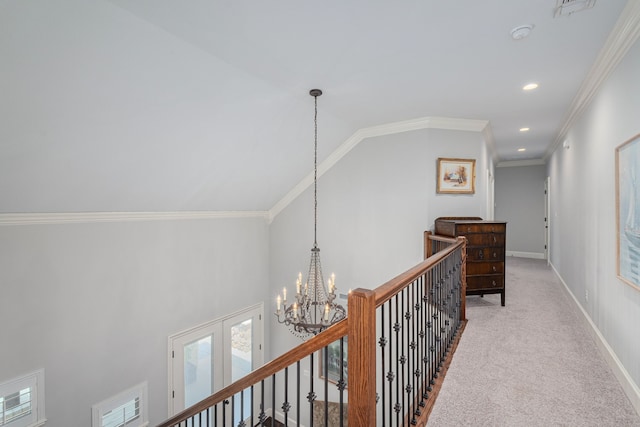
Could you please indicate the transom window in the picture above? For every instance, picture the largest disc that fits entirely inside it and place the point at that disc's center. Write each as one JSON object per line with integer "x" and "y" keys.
{"x": 127, "y": 409}
{"x": 22, "y": 401}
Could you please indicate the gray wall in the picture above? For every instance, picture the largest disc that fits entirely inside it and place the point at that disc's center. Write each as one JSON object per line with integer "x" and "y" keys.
{"x": 374, "y": 206}
{"x": 519, "y": 199}
{"x": 94, "y": 304}
{"x": 583, "y": 212}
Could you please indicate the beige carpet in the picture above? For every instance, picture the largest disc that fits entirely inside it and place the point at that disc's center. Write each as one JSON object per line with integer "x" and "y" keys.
{"x": 531, "y": 363}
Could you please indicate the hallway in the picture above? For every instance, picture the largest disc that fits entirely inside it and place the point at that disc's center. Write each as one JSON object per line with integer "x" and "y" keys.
{"x": 531, "y": 363}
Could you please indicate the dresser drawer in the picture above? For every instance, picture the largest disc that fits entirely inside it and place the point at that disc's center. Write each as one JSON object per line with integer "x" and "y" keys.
{"x": 485, "y": 282}
{"x": 462, "y": 229}
{"x": 485, "y": 268}
{"x": 485, "y": 239}
{"x": 485, "y": 254}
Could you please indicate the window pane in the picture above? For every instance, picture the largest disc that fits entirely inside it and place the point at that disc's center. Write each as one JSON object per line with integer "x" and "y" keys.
{"x": 241, "y": 363}
{"x": 198, "y": 375}
{"x": 122, "y": 415}
{"x": 241, "y": 341}
{"x": 15, "y": 405}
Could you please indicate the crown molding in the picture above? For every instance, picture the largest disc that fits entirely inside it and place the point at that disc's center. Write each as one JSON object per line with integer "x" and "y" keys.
{"x": 622, "y": 37}
{"x": 360, "y": 135}
{"x": 380, "y": 130}
{"x": 93, "y": 217}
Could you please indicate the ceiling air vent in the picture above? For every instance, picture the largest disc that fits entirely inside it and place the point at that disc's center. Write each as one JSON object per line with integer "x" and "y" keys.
{"x": 567, "y": 7}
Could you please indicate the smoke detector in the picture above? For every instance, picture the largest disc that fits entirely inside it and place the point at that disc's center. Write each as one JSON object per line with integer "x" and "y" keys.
{"x": 567, "y": 7}
{"x": 521, "y": 32}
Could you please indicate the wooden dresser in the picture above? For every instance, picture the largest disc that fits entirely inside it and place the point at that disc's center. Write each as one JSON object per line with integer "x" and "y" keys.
{"x": 485, "y": 252}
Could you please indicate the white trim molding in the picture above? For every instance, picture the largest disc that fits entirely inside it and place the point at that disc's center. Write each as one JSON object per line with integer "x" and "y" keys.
{"x": 447, "y": 123}
{"x": 535, "y": 255}
{"x": 91, "y": 217}
{"x": 622, "y": 37}
{"x": 630, "y": 388}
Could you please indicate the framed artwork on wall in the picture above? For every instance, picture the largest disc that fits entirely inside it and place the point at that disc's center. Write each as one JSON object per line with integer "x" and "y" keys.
{"x": 628, "y": 211}
{"x": 332, "y": 362}
{"x": 456, "y": 176}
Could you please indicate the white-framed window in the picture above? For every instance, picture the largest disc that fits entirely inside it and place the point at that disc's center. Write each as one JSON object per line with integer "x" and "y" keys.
{"x": 22, "y": 401}
{"x": 127, "y": 409}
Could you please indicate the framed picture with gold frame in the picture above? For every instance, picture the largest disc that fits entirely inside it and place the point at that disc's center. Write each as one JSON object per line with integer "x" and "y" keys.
{"x": 628, "y": 211}
{"x": 456, "y": 176}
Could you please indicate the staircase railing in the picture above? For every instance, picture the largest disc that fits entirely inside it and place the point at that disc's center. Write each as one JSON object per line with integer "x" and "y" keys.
{"x": 382, "y": 365}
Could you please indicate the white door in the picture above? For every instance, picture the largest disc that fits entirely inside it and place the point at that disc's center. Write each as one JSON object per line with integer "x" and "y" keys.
{"x": 547, "y": 219}
{"x": 243, "y": 355}
{"x": 204, "y": 359}
{"x": 196, "y": 363}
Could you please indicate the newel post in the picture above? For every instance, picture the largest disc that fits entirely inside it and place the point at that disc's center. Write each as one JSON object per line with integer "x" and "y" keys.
{"x": 463, "y": 292}
{"x": 362, "y": 358}
{"x": 428, "y": 245}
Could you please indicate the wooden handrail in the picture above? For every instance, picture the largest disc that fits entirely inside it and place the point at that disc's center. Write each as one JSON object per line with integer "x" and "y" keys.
{"x": 429, "y": 237}
{"x": 395, "y": 285}
{"x": 314, "y": 344}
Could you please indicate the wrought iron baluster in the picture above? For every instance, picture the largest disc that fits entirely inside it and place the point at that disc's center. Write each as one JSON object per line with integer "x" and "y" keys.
{"x": 397, "y": 328}
{"x": 298, "y": 393}
{"x": 325, "y": 367}
{"x": 273, "y": 399}
{"x": 285, "y": 404}
{"x": 311, "y": 396}
{"x": 401, "y": 355}
{"x": 382, "y": 343}
{"x": 342, "y": 384}
{"x": 262, "y": 416}
{"x": 390, "y": 375}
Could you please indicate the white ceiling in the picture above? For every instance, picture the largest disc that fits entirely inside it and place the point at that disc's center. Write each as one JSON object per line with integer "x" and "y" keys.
{"x": 203, "y": 105}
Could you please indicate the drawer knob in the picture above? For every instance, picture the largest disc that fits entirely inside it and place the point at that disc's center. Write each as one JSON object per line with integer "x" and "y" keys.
{"x": 495, "y": 239}
{"x": 495, "y": 255}
{"x": 480, "y": 254}
{"x": 493, "y": 283}
{"x": 494, "y": 268}
{"x": 468, "y": 228}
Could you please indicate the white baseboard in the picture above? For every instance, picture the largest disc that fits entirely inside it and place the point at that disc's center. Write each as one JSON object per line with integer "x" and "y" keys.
{"x": 630, "y": 388}
{"x": 536, "y": 255}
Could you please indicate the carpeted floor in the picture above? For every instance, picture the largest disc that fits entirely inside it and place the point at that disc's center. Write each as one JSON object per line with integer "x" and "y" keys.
{"x": 531, "y": 363}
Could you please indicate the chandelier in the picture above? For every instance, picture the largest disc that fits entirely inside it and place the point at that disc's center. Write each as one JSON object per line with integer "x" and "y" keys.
{"x": 313, "y": 309}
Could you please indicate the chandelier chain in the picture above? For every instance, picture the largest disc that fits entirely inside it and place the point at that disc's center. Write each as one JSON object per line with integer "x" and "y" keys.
{"x": 315, "y": 173}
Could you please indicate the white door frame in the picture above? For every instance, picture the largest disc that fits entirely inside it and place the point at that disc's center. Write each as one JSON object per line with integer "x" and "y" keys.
{"x": 217, "y": 328}
{"x": 490, "y": 195}
{"x": 547, "y": 223}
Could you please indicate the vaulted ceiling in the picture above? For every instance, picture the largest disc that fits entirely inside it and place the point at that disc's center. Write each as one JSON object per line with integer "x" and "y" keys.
{"x": 203, "y": 105}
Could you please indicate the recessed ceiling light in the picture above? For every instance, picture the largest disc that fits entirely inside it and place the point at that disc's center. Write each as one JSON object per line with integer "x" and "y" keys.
{"x": 524, "y": 129}
{"x": 522, "y": 149}
{"x": 530, "y": 86}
